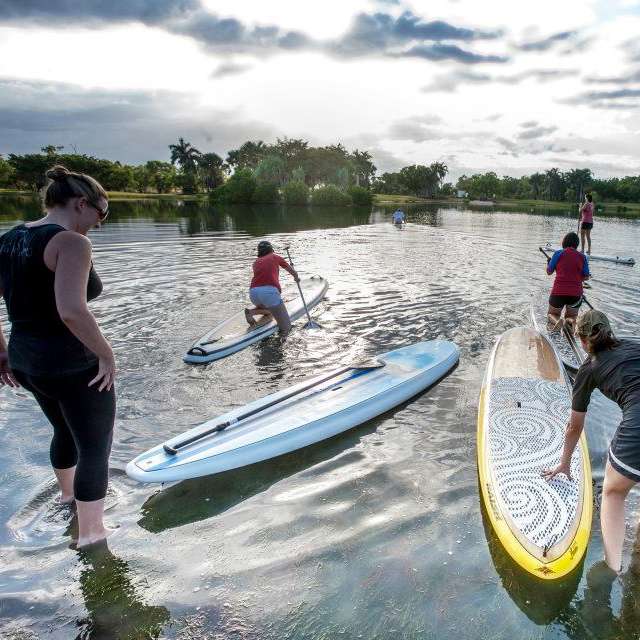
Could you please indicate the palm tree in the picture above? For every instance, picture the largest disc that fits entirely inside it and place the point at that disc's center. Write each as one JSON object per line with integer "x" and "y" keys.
{"x": 185, "y": 155}
{"x": 537, "y": 181}
{"x": 212, "y": 170}
{"x": 439, "y": 170}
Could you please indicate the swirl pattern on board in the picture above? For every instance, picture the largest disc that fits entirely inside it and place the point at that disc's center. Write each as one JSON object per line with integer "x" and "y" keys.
{"x": 527, "y": 421}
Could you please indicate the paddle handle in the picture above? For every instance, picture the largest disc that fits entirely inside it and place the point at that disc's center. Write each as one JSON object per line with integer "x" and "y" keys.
{"x": 299, "y": 287}
{"x": 546, "y": 255}
{"x": 173, "y": 449}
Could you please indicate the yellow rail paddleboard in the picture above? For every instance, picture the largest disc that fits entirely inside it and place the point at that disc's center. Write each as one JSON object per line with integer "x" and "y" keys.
{"x": 524, "y": 407}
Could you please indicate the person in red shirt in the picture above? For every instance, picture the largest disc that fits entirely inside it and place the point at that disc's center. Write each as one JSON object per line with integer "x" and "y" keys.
{"x": 571, "y": 269}
{"x": 265, "y": 289}
{"x": 586, "y": 222}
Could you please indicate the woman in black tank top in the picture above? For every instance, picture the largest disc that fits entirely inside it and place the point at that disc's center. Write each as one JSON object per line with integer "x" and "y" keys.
{"x": 56, "y": 350}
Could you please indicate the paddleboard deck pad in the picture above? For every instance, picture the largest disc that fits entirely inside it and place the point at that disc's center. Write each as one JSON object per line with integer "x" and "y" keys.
{"x": 235, "y": 334}
{"x": 288, "y": 420}
{"x": 628, "y": 260}
{"x": 524, "y": 406}
{"x": 567, "y": 346}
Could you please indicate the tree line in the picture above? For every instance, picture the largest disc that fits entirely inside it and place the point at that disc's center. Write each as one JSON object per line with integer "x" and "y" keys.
{"x": 553, "y": 184}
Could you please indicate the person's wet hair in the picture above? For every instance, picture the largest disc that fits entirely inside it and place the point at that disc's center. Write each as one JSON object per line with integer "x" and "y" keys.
{"x": 589, "y": 197}
{"x": 571, "y": 240}
{"x": 264, "y": 248}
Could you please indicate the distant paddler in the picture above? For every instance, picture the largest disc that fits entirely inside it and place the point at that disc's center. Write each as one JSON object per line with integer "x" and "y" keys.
{"x": 265, "y": 290}
{"x": 398, "y": 216}
{"x": 613, "y": 367}
{"x": 571, "y": 269}
{"x": 586, "y": 222}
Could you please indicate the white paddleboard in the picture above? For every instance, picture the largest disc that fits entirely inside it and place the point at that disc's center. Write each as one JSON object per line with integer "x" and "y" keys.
{"x": 235, "y": 334}
{"x": 628, "y": 260}
{"x": 299, "y": 416}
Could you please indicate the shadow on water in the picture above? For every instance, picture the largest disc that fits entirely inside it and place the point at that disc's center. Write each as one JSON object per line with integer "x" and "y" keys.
{"x": 542, "y": 601}
{"x": 209, "y": 496}
{"x": 115, "y": 609}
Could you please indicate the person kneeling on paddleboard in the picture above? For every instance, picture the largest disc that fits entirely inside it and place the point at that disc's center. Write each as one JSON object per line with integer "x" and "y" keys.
{"x": 265, "y": 288}
{"x": 571, "y": 269}
{"x": 613, "y": 367}
{"x": 398, "y": 216}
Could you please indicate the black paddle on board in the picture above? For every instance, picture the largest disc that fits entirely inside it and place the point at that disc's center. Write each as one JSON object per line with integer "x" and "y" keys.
{"x": 310, "y": 324}
{"x": 172, "y": 449}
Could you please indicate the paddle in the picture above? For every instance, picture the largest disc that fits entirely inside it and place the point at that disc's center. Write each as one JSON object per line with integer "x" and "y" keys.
{"x": 311, "y": 324}
{"x": 173, "y": 449}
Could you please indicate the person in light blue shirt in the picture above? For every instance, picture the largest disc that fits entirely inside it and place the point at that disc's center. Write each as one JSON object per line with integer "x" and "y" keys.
{"x": 398, "y": 216}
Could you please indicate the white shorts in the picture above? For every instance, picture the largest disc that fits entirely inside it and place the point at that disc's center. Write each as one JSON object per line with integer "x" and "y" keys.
{"x": 265, "y": 297}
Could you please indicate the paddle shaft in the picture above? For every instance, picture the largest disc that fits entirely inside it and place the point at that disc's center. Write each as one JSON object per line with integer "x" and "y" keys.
{"x": 299, "y": 287}
{"x": 172, "y": 450}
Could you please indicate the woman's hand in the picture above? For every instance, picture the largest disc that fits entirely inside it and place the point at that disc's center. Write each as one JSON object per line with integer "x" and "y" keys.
{"x": 563, "y": 467}
{"x": 6, "y": 376}
{"x": 295, "y": 275}
{"x": 106, "y": 373}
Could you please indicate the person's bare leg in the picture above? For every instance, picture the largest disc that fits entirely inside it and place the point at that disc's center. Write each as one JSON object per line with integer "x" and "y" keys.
{"x": 65, "y": 482}
{"x": 588, "y": 241}
{"x": 90, "y": 523}
{"x": 614, "y": 491}
{"x": 281, "y": 316}
{"x": 256, "y": 311}
{"x": 570, "y": 315}
{"x": 582, "y": 236}
{"x": 554, "y": 318}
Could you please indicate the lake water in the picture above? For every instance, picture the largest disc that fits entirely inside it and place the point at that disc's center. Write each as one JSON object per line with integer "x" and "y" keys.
{"x": 377, "y": 533}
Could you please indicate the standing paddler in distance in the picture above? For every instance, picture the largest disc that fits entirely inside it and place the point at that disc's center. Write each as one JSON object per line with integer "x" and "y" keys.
{"x": 265, "y": 290}
{"x": 398, "y": 216}
{"x": 613, "y": 367}
{"x": 586, "y": 222}
{"x": 571, "y": 269}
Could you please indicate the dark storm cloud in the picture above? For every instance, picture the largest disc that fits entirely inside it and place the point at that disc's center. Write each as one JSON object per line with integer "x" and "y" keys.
{"x": 128, "y": 126}
{"x": 546, "y": 43}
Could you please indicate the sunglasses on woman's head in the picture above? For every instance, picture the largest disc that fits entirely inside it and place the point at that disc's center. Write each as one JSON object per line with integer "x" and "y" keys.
{"x": 102, "y": 213}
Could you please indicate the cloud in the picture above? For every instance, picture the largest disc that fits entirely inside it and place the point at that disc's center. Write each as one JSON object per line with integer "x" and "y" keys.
{"x": 370, "y": 34}
{"x": 229, "y": 69}
{"x": 131, "y": 126}
{"x": 630, "y": 78}
{"x": 546, "y": 43}
{"x": 529, "y": 123}
{"x": 448, "y": 83}
{"x": 413, "y": 131}
{"x": 617, "y": 99}
{"x": 533, "y": 132}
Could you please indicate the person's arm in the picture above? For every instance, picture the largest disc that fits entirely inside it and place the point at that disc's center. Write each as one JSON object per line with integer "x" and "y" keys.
{"x": 287, "y": 267}
{"x": 73, "y": 263}
{"x": 571, "y": 437}
{"x": 551, "y": 265}
{"x": 6, "y": 377}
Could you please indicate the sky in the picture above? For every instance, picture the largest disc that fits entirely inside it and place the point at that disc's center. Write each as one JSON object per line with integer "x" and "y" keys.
{"x": 511, "y": 87}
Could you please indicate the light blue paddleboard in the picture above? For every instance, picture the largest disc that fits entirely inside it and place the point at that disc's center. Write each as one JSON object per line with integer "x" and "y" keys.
{"x": 301, "y": 415}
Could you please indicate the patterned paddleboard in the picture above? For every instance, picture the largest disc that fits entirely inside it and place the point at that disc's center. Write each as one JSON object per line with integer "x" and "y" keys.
{"x": 524, "y": 408}
{"x": 566, "y": 345}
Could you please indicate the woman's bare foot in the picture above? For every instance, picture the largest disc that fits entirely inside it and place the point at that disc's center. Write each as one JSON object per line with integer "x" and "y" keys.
{"x": 249, "y": 318}
{"x": 93, "y": 538}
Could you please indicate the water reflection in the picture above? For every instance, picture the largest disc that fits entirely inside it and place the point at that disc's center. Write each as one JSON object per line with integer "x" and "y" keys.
{"x": 116, "y": 611}
{"x": 542, "y": 601}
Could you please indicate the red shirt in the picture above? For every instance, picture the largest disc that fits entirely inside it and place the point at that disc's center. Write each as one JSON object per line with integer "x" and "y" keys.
{"x": 266, "y": 270}
{"x": 571, "y": 269}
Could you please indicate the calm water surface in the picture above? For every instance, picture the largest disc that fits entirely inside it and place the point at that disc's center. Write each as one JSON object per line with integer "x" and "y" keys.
{"x": 377, "y": 533}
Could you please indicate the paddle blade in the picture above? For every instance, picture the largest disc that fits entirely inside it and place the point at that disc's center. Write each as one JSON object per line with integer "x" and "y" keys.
{"x": 312, "y": 325}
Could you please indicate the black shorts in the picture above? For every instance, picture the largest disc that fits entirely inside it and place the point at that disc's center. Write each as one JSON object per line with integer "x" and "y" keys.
{"x": 624, "y": 452}
{"x": 557, "y": 302}
{"x": 586, "y": 225}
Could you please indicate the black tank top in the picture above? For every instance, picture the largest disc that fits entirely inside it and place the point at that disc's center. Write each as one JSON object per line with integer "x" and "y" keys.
{"x": 40, "y": 343}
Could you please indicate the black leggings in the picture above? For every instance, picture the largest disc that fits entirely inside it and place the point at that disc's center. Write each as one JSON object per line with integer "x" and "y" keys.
{"x": 82, "y": 419}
